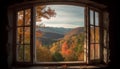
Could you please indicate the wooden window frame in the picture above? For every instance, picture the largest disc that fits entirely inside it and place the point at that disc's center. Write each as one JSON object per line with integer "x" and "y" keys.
{"x": 87, "y": 24}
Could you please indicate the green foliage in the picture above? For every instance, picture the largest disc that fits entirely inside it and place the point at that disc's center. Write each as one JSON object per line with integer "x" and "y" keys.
{"x": 43, "y": 54}
{"x": 57, "y": 57}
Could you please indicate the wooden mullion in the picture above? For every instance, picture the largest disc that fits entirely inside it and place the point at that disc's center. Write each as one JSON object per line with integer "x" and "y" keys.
{"x": 101, "y": 37}
{"x": 86, "y": 36}
{"x": 22, "y": 44}
{"x": 33, "y": 20}
{"x": 94, "y": 25}
{"x": 94, "y": 43}
{"x": 88, "y": 33}
{"x": 24, "y": 26}
{"x": 14, "y": 38}
{"x": 23, "y": 36}
{"x": 94, "y": 30}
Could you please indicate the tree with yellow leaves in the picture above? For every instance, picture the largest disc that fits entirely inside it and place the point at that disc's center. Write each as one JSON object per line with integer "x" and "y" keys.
{"x": 24, "y": 28}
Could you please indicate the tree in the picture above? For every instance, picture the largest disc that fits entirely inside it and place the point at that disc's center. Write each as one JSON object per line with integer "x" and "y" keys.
{"x": 57, "y": 57}
{"x": 24, "y": 20}
{"x": 54, "y": 48}
{"x": 41, "y": 11}
{"x": 64, "y": 48}
{"x": 43, "y": 54}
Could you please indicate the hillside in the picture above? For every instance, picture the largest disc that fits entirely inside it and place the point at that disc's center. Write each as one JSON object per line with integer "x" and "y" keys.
{"x": 49, "y": 36}
{"x": 73, "y": 32}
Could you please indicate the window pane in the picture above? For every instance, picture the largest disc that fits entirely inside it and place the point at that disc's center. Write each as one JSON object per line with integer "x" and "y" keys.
{"x": 27, "y": 53}
{"x": 27, "y": 17}
{"x": 20, "y": 16}
{"x": 92, "y": 34}
{"x": 27, "y": 35}
{"x": 91, "y": 17}
{"x": 92, "y": 50}
{"x": 20, "y": 54}
{"x": 97, "y": 51}
{"x": 97, "y": 35}
{"x": 96, "y": 19}
{"x": 20, "y": 35}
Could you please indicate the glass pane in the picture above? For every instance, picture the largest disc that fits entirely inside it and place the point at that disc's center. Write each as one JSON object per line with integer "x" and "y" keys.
{"x": 27, "y": 53}
{"x": 92, "y": 50}
{"x": 20, "y": 16}
{"x": 27, "y": 35}
{"x": 97, "y": 35}
{"x": 96, "y": 19}
{"x": 20, "y": 35}
{"x": 97, "y": 52}
{"x": 91, "y": 17}
{"x": 92, "y": 34}
{"x": 20, "y": 54}
{"x": 27, "y": 17}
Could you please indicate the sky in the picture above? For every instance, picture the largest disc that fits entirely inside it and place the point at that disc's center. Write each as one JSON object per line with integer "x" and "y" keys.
{"x": 67, "y": 16}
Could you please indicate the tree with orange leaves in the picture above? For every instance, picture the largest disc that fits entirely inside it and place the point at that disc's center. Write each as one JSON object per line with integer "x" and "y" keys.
{"x": 24, "y": 24}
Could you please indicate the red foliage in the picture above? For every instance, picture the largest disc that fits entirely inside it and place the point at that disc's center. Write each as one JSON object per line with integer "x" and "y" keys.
{"x": 64, "y": 47}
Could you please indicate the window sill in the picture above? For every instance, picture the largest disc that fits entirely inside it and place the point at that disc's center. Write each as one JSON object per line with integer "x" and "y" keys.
{"x": 64, "y": 67}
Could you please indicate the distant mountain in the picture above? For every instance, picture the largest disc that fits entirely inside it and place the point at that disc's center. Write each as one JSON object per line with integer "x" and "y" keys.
{"x": 58, "y": 30}
{"x": 49, "y": 37}
{"x": 74, "y": 31}
{"x": 46, "y": 41}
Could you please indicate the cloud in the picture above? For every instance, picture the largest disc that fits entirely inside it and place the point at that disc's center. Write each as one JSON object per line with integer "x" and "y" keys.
{"x": 67, "y": 16}
{"x": 63, "y": 25}
{"x": 63, "y": 19}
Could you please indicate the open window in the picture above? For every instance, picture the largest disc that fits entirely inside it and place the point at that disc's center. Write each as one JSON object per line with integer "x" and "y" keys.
{"x": 60, "y": 34}
{"x": 60, "y": 38}
{"x": 94, "y": 36}
{"x": 23, "y": 36}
